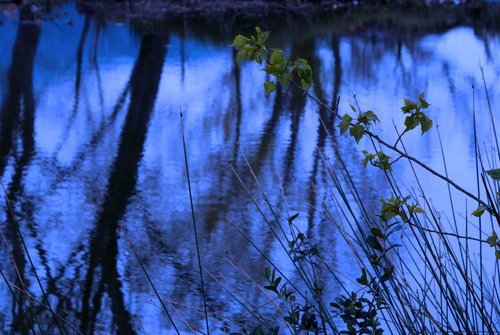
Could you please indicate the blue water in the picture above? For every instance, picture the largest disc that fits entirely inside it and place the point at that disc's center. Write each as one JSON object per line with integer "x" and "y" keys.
{"x": 91, "y": 144}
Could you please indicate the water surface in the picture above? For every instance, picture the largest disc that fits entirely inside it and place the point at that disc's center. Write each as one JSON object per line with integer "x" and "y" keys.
{"x": 91, "y": 152}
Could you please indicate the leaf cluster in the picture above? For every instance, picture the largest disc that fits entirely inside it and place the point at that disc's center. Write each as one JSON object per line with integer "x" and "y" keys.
{"x": 494, "y": 242}
{"x": 494, "y": 174}
{"x": 282, "y": 68}
{"x": 358, "y": 313}
{"x": 257, "y": 330}
{"x": 415, "y": 116}
{"x": 378, "y": 159}
{"x": 399, "y": 207}
{"x": 357, "y": 129}
{"x": 300, "y": 317}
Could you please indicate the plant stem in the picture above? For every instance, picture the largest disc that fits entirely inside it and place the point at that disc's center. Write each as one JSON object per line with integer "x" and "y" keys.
{"x": 194, "y": 227}
{"x": 490, "y": 209}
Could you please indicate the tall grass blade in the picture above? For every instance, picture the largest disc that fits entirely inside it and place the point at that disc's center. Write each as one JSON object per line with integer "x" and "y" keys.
{"x": 203, "y": 292}
{"x": 125, "y": 233}
{"x": 25, "y": 247}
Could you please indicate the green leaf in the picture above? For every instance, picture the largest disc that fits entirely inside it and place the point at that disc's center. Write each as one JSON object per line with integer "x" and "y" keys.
{"x": 357, "y": 131}
{"x": 410, "y": 122}
{"x": 478, "y": 212}
{"x": 277, "y": 282}
{"x": 423, "y": 104}
{"x": 284, "y": 79}
{"x": 425, "y": 123}
{"x": 383, "y": 161}
{"x": 363, "y": 280}
{"x": 370, "y": 115}
{"x": 377, "y": 232}
{"x": 419, "y": 210}
{"x": 261, "y": 55}
{"x": 270, "y": 86}
{"x": 239, "y": 41}
{"x": 244, "y": 52}
{"x": 277, "y": 57}
{"x": 408, "y": 107}
{"x": 313, "y": 251}
{"x": 264, "y": 36}
{"x": 389, "y": 211}
{"x": 305, "y": 74}
{"x": 387, "y": 274}
{"x": 271, "y": 288}
{"x": 301, "y": 64}
{"x": 305, "y": 84}
{"x": 345, "y": 123}
{"x": 374, "y": 243}
{"x": 497, "y": 254}
{"x": 353, "y": 108}
{"x": 368, "y": 157}
{"x": 494, "y": 174}
{"x": 493, "y": 239}
{"x": 239, "y": 57}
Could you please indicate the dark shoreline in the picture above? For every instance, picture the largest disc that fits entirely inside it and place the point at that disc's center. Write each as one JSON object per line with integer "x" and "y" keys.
{"x": 407, "y": 19}
{"x": 162, "y": 9}
{"x": 222, "y": 22}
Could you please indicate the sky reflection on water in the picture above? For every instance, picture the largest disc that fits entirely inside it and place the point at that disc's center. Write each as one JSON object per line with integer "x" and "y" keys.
{"x": 90, "y": 142}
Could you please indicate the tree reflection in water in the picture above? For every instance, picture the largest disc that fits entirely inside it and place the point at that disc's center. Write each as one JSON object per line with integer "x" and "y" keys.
{"x": 112, "y": 155}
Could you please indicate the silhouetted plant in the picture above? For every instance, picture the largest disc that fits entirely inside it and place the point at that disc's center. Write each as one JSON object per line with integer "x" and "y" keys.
{"x": 404, "y": 298}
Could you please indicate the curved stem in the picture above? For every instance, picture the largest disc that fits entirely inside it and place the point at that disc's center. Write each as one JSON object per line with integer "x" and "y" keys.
{"x": 403, "y": 154}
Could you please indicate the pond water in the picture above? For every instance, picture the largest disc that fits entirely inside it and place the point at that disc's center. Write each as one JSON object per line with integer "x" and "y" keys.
{"x": 91, "y": 143}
